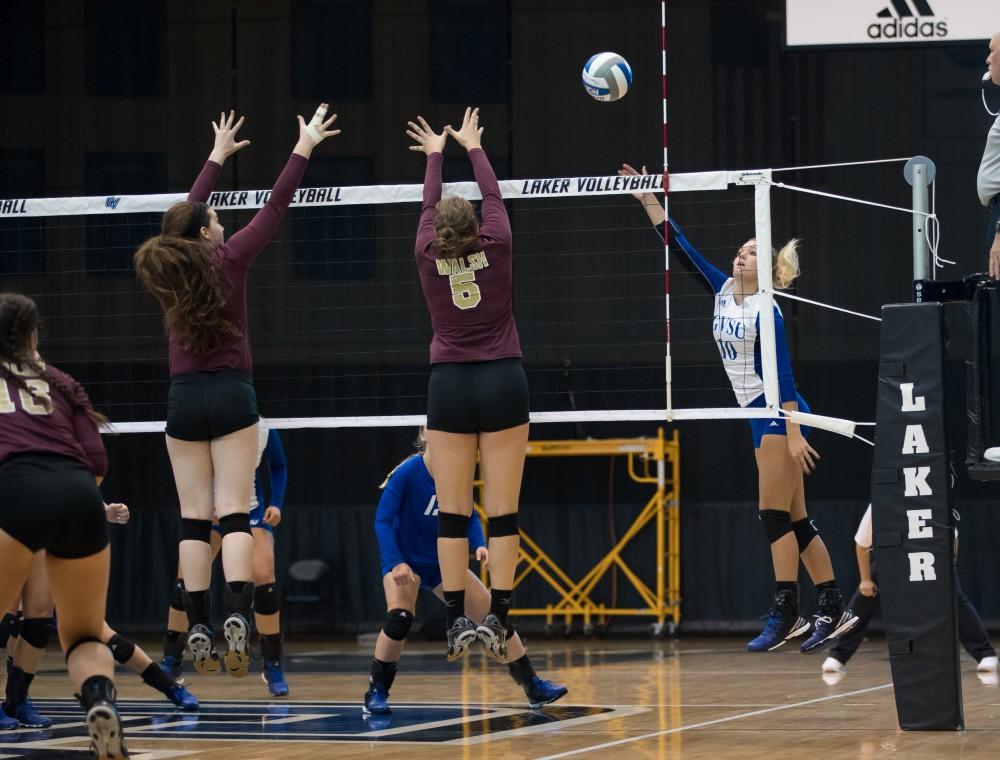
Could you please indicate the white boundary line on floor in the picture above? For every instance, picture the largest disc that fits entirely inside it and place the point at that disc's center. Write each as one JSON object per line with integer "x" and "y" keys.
{"x": 703, "y": 724}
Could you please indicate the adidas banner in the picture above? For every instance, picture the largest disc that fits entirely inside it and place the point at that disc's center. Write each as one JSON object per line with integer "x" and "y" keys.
{"x": 887, "y": 22}
{"x": 912, "y": 520}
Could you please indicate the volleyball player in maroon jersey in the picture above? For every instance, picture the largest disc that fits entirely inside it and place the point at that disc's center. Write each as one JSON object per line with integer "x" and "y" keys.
{"x": 477, "y": 397}
{"x": 51, "y": 461}
{"x": 200, "y": 280}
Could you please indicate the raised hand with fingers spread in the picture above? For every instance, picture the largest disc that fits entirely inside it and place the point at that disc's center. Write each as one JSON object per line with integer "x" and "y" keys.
{"x": 225, "y": 137}
{"x": 470, "y": 134}
{"x": 427, "y": 140}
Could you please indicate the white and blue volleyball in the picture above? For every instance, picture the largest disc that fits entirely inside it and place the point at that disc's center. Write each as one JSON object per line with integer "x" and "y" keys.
{"x": 607, "y": 77}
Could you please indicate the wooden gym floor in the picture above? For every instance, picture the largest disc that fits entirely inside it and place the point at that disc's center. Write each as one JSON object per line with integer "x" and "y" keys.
{"x": 688, "y": 699}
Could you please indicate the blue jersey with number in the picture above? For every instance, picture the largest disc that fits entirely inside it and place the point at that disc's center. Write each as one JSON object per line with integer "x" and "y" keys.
{"x": 406, "y": 521}
{"x": 736, "y": 329}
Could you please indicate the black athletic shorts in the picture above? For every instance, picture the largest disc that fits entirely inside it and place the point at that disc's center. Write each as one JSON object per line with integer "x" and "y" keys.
{"x": 52, "y": 502}
{"x": 206, "y": 405}
{"x": 477, "y": 397}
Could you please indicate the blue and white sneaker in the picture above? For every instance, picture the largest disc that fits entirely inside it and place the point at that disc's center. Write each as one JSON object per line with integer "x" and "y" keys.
{"x": 783, "y": 623}
{"x": 173, "y": 668}
{"x": 541, "y": 692}
{"x": 274, "y": 677}
{"x": 183, "y": 699}
{"x": 7, "y": 723}
{"x": 236, "y": 629}
{"x": 376, "y": 701}
{"x": 827, "y": 628}
{"x": 26, "y": 715}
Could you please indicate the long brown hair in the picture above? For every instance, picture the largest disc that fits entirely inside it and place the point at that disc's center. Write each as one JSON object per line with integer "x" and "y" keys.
{"x": 177, "y": 267}
{"x": 455, "y": 227}
{"x": 19, "y": 319}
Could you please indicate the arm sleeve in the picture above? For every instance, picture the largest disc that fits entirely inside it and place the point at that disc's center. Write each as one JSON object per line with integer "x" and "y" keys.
{"x": 432, "y": 194}
{"x": 715, "y": 278}
{"x": 863, "y": 537}
{"x": 496, "y": 223}
{"x": 385, "y": 517}
{"x": 205, "y": 183}
{"x": 786, "y": 380}
{"x": 476, "y": 537}
{"x": 244, "y": 246}
{"x": 87, "y": 433}
{"x": 277, "y": 468}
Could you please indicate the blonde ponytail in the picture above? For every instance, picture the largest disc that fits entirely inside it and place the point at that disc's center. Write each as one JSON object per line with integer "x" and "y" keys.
{"x": 786, "y": 265}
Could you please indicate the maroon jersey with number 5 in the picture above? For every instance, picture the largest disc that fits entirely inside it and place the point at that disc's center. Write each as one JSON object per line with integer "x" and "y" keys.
{"x": 469, "y": 297}
{"x": 28, "y": 426}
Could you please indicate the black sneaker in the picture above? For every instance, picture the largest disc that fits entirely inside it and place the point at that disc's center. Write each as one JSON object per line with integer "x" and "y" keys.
{"x": 493, "y": 634}
{"x": 461, "y": 634}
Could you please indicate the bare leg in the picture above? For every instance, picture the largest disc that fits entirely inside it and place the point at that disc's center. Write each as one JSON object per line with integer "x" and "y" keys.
{"x": 502, "y": 460}
{"x": 396, "y": 598}
{"x": 193, "y": 475}
{"x": 777, "y": 478}
{"x": 234, "y": 458}
{"x": 80, "y": 590}
{"x": 815, "y": 557}
{"x": 263, "y": 575}
{"x": 454, "y": 471}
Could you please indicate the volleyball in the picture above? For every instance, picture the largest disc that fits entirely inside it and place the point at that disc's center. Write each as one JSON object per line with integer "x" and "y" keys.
{"x": 607, "y": 77}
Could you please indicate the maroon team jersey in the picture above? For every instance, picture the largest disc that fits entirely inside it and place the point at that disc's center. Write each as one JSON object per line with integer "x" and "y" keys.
{"x": 469, "y": 297}
{"x": 234, "y": 258}
{"x": 27, "y": 427}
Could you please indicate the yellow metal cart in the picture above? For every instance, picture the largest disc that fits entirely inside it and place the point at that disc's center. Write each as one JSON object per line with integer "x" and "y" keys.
{"x": 652, "y": 461}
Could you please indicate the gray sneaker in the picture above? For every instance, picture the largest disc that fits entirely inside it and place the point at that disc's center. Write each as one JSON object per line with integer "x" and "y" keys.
{"x": 460, "y": 637}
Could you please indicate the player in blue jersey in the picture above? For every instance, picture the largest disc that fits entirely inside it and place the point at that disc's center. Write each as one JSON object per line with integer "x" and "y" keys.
{"x": 782, "y": 452}
{"x": 407, "y": 531}
{"x": 263, "y": 521}
{"x": 272, "y": 463}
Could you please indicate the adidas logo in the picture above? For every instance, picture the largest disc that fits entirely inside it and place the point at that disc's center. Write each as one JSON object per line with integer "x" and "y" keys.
{"x": 774, "y": 424}
{"x": 907, "y": 20}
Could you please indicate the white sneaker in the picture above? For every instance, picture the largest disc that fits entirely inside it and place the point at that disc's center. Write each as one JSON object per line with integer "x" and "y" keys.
{"x": 989, "y": 678}
{"x": 992, "y": 454}
{"x": 987, "y": 665}
{"x": 833, "y": 665}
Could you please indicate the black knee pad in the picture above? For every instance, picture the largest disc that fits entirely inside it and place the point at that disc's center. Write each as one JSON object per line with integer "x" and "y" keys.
{"x": 177, "y": 596}
{"x": 238, "y": 522}
{"x": 503, "y": 525}
{"x": 37, "y": 631}
{"x": 777, "y": 523}
{"x": 805, "y": 532}
{"x": 85, "y": 640}
{"x": 196, "y": 530}
{"x": 265, "y": 600}
{"x": 9, "y": 626}
{"x": 397, "y": 624}
{"x": 451, "y": 525}
{"x": 121, "y": 649}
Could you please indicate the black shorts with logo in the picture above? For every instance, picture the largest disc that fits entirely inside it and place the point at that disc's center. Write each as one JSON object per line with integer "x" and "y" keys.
{"x": 51, "y": 502}
{"x": 477, "y": 397}
{"x": 206, "y": 405}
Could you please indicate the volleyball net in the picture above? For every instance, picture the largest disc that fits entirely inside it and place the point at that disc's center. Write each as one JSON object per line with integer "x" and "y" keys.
{"x": 338, "y": 324}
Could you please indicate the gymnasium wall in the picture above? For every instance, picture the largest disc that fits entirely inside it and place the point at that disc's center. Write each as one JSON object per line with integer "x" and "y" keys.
{"x": 113, "y": 97}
